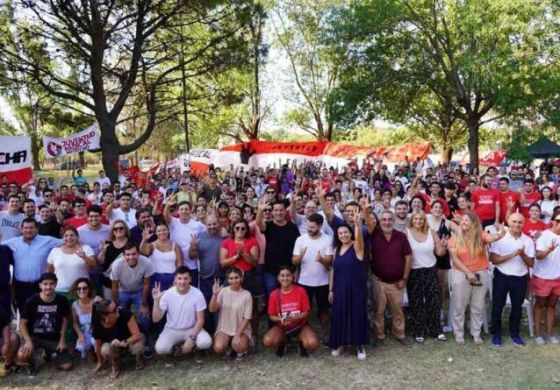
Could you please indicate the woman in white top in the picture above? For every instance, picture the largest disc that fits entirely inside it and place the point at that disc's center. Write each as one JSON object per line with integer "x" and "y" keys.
{"x": 70, "y": 261}
{"x": 165, "y": 255}
{"x": 443, "y": 227}
{"x": 547, "y": 203}
{"x": 545, "y": 282}
{"x": 235, "y": 305}
{"x": 423, "y": 287}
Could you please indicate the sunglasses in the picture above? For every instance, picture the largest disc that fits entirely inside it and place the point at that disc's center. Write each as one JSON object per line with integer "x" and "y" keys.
{"x": 84, "y": 288}
{"x": 119, "y": 228}
{"x": 557, "y": 221}
{"x": 270, "y": 192}
{"x": 240, "y": 228}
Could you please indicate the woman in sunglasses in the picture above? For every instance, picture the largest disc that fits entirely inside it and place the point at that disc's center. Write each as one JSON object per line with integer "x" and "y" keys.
{"x": 82, "y": 308}
{"x": 109, "y": 250}
{"x": 242, "y": 251}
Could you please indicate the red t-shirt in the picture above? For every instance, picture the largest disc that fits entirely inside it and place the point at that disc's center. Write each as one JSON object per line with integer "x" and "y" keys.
{"x": 273, "y": 182}
{"x": 231, "y": 247}
{"x": 288, "y": 305}
{"x": 76, "y": 222}
{"x": 505, "y": 198}
{"x": 533, "y": 228}
{"x": 484, "y": 203}
{"x": 529, "y": 199}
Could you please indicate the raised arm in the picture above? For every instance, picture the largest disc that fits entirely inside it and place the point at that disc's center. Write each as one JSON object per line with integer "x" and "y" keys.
{"x": 329, "y": 213}
{"x": 359, "y": 242}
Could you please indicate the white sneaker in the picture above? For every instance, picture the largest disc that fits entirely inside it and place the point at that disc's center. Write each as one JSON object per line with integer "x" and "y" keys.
{"x": 539, "y": 340}
{"x": 361, "y": 353}
{"x": 336, "y": 352}
{"x": 553, "y": 340}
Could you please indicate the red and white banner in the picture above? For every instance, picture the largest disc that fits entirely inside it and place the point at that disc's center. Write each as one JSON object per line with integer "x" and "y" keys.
{"x": 198, "y": 160}
{"x": 15, "y": 159}
{"x": 265, "y": 153}
{"x": 493, "y": 158}
{"x": 84, "y": 140}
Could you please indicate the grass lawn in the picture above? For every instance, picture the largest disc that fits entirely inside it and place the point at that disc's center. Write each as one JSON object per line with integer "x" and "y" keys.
{"x": 434, "y": 365}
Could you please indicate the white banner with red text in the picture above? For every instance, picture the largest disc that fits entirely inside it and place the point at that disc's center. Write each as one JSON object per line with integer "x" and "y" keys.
{"x": 84, "y": 140}
{"x": 269, "y": 154}
{"x": 15, "y": 159}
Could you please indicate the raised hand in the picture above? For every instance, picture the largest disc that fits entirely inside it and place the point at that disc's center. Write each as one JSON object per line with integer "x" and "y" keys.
{"x": 146, "y": 234}
{"x": 156, "y": 291}
{"x": 216, "y": 287}
{"x": 194, "y": 240}
{"x": 103, "y": 245}
{"x": 172, "y": 200}
{"x": 80, "y": 252}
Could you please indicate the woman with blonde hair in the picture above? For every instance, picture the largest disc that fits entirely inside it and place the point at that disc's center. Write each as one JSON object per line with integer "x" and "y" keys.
{"x": 469, "y": 275}
{"x": 119, "y": 235}
{"x": 423, "y": 286}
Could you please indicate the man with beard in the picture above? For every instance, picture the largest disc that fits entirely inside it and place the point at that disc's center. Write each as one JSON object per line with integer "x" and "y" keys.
{"x": 391, "y": 265}
{"x": 401, "y": 215}
{"x": 509, "y": 200}
{"x": 206, "y": 248}
{"x": 43, "y": 324}
{"x": 486, "y": 202}
{"x": 313, "y": 253}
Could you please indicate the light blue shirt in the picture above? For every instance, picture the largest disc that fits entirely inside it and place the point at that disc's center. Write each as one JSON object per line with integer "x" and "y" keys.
{"x": 30, "y": 259}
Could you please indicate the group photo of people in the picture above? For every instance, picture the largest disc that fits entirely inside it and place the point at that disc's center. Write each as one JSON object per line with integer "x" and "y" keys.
{"x": 276, "y": 260}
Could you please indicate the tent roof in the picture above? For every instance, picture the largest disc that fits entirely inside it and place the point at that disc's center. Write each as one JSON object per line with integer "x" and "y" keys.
{"x": 543, "y": 148}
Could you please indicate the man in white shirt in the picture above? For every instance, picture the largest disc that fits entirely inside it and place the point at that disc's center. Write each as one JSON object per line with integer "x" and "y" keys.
{"x": 11, "y": 219}
{"x": 104, "y": 181}
{"x": 183, "y": 230}
{"x": 313, "y": 252}
{"x": 512, "y": 256}
{"x": 184, "y": 306}
{"x": 124, "y": 212}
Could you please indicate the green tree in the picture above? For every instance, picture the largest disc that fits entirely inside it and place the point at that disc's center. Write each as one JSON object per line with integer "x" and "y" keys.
{"x": 298, "y": 25}
{"x": 485, "y": 59}
{"x": 106, "y": 53}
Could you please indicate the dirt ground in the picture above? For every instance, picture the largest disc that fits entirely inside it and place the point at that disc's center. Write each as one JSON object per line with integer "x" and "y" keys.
{"x": 434, "y": 365}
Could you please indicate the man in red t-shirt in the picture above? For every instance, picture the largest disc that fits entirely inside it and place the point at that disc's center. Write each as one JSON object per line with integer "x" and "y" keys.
{"x": 509, "y": 200}
{"x": 80, "y": 214}
{"x": 486, "y": 202}
{"x": 528, "y": 197}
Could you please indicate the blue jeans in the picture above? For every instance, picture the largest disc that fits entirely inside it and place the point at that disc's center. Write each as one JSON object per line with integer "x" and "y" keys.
{"x": 516, "y": 286}
{"x": 210, "y": 319}
{"x": 128, "y": 299}
{"x": 270, "y": 283}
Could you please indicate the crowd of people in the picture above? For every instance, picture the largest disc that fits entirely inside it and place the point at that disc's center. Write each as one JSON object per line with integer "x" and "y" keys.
{"x": 95, "y": 270}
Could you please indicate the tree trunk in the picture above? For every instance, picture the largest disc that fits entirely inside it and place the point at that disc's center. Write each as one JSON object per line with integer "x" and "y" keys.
{"x": 35, "y": 151}
{"x": 109, "y": 149}
{"x": 82, "y": 157}
{"x": 473, "y": 126}
{"x": 447, "y": 154}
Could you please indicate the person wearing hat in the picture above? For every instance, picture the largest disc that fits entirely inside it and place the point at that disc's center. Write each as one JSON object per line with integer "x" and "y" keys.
{"x": 186, "y": 192}
{"x": 43, "y": 324}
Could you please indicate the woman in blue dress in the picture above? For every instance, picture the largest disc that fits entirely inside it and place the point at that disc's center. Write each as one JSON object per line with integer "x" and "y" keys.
{"x": 348, "y": 292}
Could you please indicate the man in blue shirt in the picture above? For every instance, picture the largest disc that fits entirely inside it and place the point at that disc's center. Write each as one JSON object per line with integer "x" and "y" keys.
{"x": 30, "y": 252}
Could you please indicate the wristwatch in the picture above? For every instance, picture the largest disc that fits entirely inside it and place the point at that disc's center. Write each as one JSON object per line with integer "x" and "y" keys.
{"x": 192, "y": 337}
